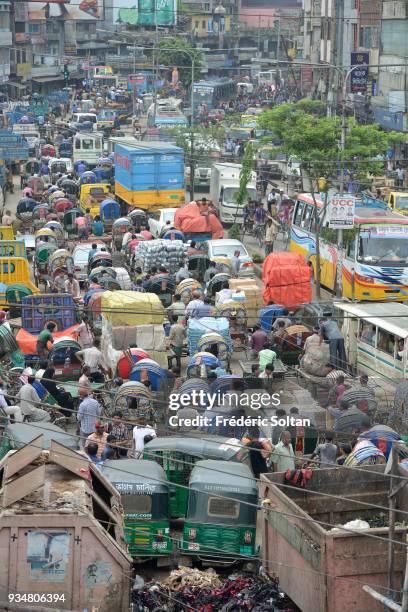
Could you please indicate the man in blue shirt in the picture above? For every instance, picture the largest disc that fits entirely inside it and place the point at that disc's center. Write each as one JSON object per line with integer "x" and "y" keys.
{"x": 93, "y": 250}
{"x": 97, "y": 227}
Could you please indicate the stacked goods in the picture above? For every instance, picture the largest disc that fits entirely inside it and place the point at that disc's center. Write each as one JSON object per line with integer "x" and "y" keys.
{"x": 132, "y": 308}
{"x": 253, "y": 297}
{"x": 167, "y": 253}
{"x": 286, "y": 278}
{"x": 210, "y": 328}
{"x": 195, "y": 218}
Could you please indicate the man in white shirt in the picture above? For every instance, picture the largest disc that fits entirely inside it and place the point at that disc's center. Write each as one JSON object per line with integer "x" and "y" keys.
{"x": 14, "y": 411}
{"x": 92, "y": 357}
{"x": 225, "y": 295}
{"x": 72, "y": 286}
{"x": 142, "y": 433}
{"x": 194, "y": 306}
{"x": 127, "y": 236}
{"x": 29, "y": 400}
{"x": 182, "y": 273}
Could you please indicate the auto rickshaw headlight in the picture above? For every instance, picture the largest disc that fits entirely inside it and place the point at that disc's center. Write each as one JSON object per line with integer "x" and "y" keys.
{"x": 192, "y": 533}
{"x": 159, "y": 535}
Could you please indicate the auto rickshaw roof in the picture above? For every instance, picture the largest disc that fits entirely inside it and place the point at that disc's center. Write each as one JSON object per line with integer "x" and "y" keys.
{"x": 230, "y": 476}
{"x": 216, "y": 448}
{"x": 45, "y": 232}
{"x": 136, "y": 471}
{"x": 21, "y": 434}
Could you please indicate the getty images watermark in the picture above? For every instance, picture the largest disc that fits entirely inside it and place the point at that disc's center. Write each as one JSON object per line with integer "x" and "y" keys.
{"x": 201, "y": 400}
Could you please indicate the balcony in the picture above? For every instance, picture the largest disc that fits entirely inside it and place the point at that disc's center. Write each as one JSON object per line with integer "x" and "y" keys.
{"x": 5, "y": 37}
{"x": 44, "y": 70}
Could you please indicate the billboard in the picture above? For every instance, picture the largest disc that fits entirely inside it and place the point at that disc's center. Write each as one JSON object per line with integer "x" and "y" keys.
{"x": 359, "y": 76}
{"x": 83, "y": 10}
{"x": 145, "y": 12}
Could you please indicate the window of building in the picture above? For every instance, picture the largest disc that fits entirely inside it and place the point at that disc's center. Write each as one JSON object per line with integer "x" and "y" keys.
{"x": 204, "y": 24}
{"x": 196, "y": 23}
{"x": 355, "y": 37}
{"x": 33, "y": 28}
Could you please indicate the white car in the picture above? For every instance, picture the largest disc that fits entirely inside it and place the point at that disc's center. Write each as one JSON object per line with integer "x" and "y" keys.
{"x": 226, "y": 248}
{"x": 161, "y": 218}
{"x": 81, "y": 255}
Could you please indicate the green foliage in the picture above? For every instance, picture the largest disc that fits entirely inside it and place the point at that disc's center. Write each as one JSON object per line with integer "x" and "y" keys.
{"x": 234, "y": 232}
{"x": 179, "y": 52}
{"x": 330, "y": 235}
{"x": 206, "y": 140}
{"x": 315, "y": 141}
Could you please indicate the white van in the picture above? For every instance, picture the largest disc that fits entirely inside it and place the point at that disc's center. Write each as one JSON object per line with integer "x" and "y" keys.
{"x": 82, "y": 118}
{"x": 88, "y": 147}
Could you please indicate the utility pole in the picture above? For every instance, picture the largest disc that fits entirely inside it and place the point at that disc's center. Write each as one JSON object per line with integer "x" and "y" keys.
{"x": 339, "y": 280}
{"x": 192, "y": 162}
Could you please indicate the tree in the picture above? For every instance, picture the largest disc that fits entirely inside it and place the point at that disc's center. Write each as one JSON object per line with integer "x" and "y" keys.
{"x": 179, "y": 53}
{"x": 315, "y": 142}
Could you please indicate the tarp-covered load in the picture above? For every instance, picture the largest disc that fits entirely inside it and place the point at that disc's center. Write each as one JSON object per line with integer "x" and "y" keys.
{"x": 286, "y": 279}
{"x": 167, "y": 253}
{"x": 207, "y": 326}
{"x": 28, "y": 342}
{"x": 189, "y": 220}
{"x": 132, "y": 308}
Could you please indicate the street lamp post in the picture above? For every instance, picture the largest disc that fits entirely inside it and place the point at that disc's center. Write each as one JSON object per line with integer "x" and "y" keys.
{"x": 345, "y": 78}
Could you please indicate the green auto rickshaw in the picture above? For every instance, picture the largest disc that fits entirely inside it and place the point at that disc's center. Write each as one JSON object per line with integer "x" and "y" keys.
{"x": 220, "y": 524}
{"x": 17, "y": 435}
{"x": 178, "y": 455}
{"x": 144, "y": 491}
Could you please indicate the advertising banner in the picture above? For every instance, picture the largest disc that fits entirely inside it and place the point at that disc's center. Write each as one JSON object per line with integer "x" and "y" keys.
{"x": 85, "y": 10}
{"x": 359, "y": 76}
{"x": 341, "y": 212}
{"x": 146, "y": 12}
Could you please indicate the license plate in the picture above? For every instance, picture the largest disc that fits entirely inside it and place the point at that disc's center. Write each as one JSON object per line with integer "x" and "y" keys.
{"x": 58, "y": 372}
{"x": 193, "y": 547}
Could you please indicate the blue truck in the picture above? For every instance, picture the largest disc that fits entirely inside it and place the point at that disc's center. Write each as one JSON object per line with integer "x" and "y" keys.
{"x": 149, "y": 175}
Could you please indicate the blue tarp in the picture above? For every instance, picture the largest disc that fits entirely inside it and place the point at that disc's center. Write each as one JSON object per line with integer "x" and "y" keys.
{"x": 206, "y": 325}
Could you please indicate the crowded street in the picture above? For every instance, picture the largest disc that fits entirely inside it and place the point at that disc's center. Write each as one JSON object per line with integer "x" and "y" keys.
{"x": 203, "y": 341}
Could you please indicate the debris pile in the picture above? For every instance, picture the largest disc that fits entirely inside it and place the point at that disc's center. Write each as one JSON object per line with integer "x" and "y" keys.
{"x": 206, "y": 591}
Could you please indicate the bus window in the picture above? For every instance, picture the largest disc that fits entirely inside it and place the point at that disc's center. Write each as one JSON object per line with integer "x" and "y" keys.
{"x": 298, "y": 213}
{"x": 386, "y": 342}
{"x": 87, "y": 144}
{"x": 307, "y": 215}
{"x": 351, "y": 249}
{"x": 77, "y": 143}
{"x": 368, "y": 333}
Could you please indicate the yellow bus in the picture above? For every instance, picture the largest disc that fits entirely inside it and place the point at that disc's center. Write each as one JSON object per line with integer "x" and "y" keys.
{"x": 375, "y": 258}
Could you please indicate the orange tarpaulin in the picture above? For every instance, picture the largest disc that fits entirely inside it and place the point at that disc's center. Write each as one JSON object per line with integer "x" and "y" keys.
{"x": 28, "y": 342}
{"x": 194, "y": 218}
{"x": 286, "y": 279}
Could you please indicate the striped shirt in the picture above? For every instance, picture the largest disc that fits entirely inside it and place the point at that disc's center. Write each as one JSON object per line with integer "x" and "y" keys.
{"x": 89, "y": 412}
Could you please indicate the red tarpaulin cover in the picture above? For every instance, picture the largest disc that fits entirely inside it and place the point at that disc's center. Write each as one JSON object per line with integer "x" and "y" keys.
{"x": 286, "y": 279}
{"x": 28, "y": 342}
{"x": 189, "y": 219}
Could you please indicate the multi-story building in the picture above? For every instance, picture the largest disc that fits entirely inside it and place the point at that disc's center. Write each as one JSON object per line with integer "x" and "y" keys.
{"x": 5, "y": 41}
{"x": 389, "y": 105}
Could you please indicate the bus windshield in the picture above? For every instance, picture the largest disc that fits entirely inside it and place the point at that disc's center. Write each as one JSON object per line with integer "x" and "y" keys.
{"x": 401, "y": 202}
{"x": 384, "y": 250}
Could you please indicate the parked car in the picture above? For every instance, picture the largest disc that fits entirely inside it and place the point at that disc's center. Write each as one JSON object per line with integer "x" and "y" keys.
{"x": 80, "y": 256}
{"x": 226, "y": 248}
{"x": 161, "y": 218}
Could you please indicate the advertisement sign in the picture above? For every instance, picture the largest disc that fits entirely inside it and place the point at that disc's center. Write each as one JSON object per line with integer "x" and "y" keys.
{"x": 23, "y": 70}
{"x": 146, "y": 12}
{"x": 341, "y": 212}
{"x": 359, "y": 76}
{"x": 85, "y": 10}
